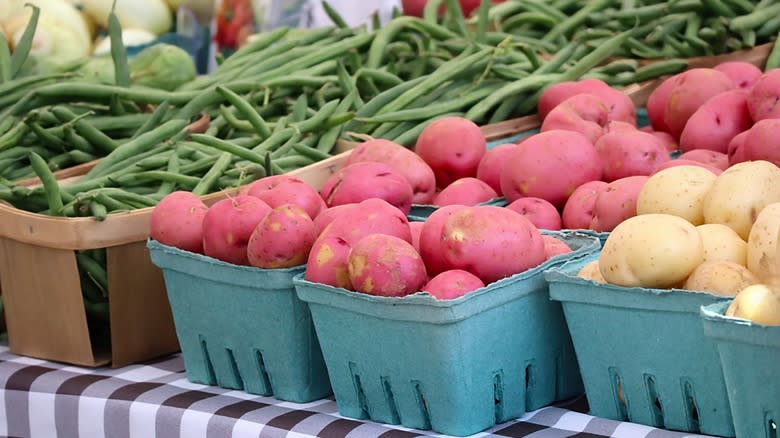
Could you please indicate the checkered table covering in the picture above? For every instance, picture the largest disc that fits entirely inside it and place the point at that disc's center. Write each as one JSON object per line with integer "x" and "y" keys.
{"x": 155, "y": 399}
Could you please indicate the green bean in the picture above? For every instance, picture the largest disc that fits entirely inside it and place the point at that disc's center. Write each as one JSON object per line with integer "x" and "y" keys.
{"x": 118, "y": 50}
{"x": 558, "y": 60}
{"x": 5, "y": 60}
{"x": 251, "y": 48}
{"x": 383, "y": 37}
{"x": 448, "y": 71}
{"x": 769, "y": 28}
{"x": 226, "y": 146}
{"x": 317, "y": 120}
{"x": 773, "y": 59}
{"x": 533, "y": 82}
{"x": 112, "y": 204}
{"x": 139, "y": 144}
{"x": 45, "y": 136}
{"x": 754, "y": 19}
{"x": 94, "y": 271}
{"x": 655, "y": 70}
{"x": 334, "y": 15}
{"x": 328, "y": 140}
{"x": 575, "y": 20}
{"x": 170, "y": 178}
{"x": 152, "y": 122}
{"x": 246, "y": 110}
{"x": 98, "y": 210}
{"x": 10, "y": 138}
{"x": 455, "y": 11}
{"x": 291, "y": 162}
{"x": 85, "y": 129}
{"x": 310, "y": 152}
{"x": 744, "y": 5}
{"x": 49, "y": 182}
{"x": 286, "y": 147}
{"x": 299, "y": 108}
{"x": 426, "y": 112}
{"x": 719, "y": 8}
{"x": 23, "y": 47}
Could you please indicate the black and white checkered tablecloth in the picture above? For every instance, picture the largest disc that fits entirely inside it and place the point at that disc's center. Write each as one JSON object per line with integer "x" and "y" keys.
{"x": 48, "y": 400}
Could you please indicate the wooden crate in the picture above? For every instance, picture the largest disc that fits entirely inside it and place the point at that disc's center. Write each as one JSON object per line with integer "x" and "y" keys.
{"x": 45, "y": 314}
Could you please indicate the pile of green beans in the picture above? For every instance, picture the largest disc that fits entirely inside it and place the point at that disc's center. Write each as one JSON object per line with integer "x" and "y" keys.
{"x": 660, "y": 29}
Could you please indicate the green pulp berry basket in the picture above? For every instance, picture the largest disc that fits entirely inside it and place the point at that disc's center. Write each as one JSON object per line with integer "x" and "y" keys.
{"x": 749, "y": 356}
{"x": 457, "y": 366}
{"x": 642, "y": 353}
{"x": 242, "y": 327}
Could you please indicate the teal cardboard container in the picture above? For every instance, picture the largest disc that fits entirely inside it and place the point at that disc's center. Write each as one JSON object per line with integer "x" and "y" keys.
{"x": 642, "y": 353}
{"x": 241, "y": 327}
{"x": 420, "y": 212}
{"x": 457, "y": 366}
{"x": 749, "y": 356}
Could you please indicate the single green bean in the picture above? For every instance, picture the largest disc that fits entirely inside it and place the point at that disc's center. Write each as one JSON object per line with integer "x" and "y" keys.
{"x": 98, "y": 210}
{"x": 226, "y": 146}
{"x": 93, "y": 270}
{"x": 118, "y": 50}
{"x": 25, "y": 44}
{"x": 50, "y": 185}
{"x": 334, "y": 15}
{"x": 773, "y": 59}
{"x": 246, "y": 110}
{"x": 5, "y": 60}
{"x": 140, "y": 144}
{"x": 152, "y": 122}
{"x": 754, "y": 19}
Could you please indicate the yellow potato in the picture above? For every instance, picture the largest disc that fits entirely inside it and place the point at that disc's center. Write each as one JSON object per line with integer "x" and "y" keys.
{"x": 758, "y": 303}
{"x": 591, "y": 272}
{"x": 679, "y": 191}
{"x": 720, "y": 277}
{"x": 651, "y": 250}
{"x": 722, "y": 243}
{"x": 763, "y": 241}
{"x": 740, "y": 193}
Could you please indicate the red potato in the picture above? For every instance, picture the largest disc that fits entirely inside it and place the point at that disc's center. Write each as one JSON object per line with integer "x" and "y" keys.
{"x": 372, "y": 216}
{"x": 177, "y": 221}
{"x": 583, "y": 113}
{"x": 465, "y": 191}
{"x": 762, "y": 142}
{"x": 489, "y": 169}
{"x": 620, "y": 107}
{"x": 670, "y": 143}
{"x": 550, "y": 165}
{"x": 656, "y": 103}
{"x": 290, "y": 190}
{"x": 360, "y": 181}
{"x": 403, "y": 161}
{"x": 744, "y": 74}
{"x": 578, "y": 211}
{"x": 416, "y": 228}
{"x": 452, "y": 284}
{"x": 715, "y": 159}
{"x": 630, "y": 153}
{"x": 618, "y": 126}
{"x": 430, "y": 239}
{"x": 453, "y": 147}
{"x": 267, "y": 183}
{"x": 617, "y": 203}
{"x": 716, "y": 122}
{"x": 736, "y": 150}
{"x": 763, "y": 98}
{"x": 554, "y": 247}
{"x": 540, "y": 212}
{"x": 228, "y": 225}
{"x": 385, "y": 266}
{"x": 691, "y": 90}
{"x": 327, "y": 262}
{"x": 491, "y": 242}
{"x": 329, "y": 214}
{"x": 282, "y": 239}
{"x": 684, "y": 162}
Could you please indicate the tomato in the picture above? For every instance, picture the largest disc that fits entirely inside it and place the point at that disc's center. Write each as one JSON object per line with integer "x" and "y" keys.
{"x": 233, "y": 17}
{"x": 416, "y": 7}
